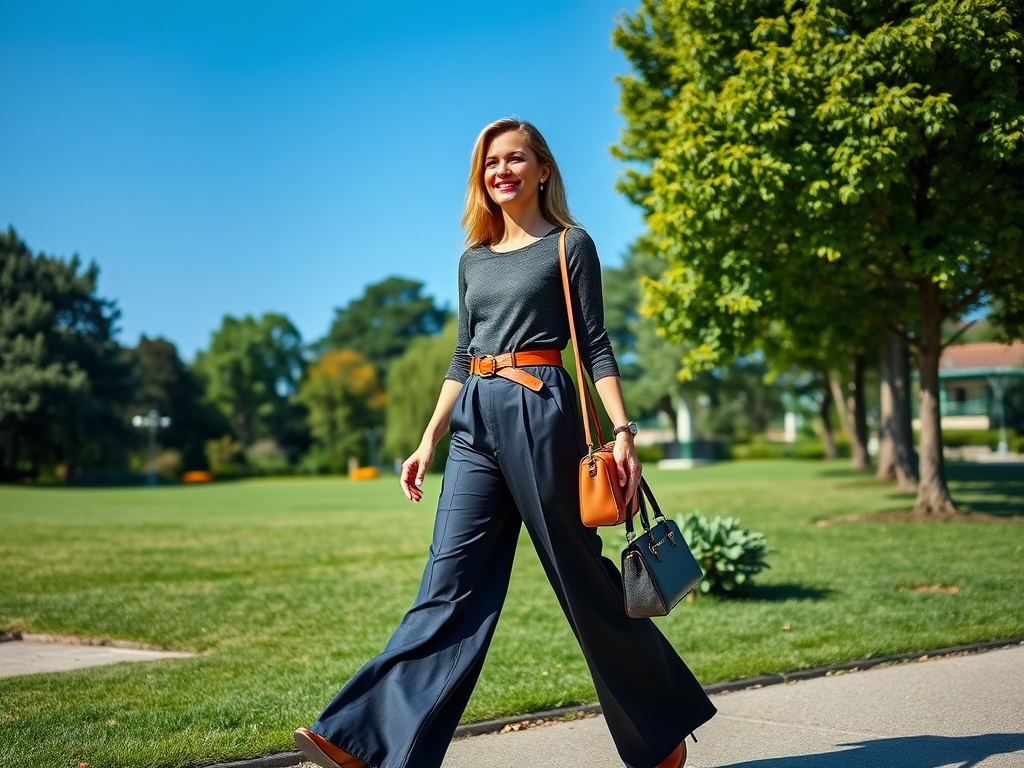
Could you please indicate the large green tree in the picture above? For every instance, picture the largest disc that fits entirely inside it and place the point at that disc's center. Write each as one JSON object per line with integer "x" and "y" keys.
{"x": 62, "y": 379}
{"x": 251, "y": 373}
{"x": 346, "y": 402}
{"x": 164, "y": 383}
{"x": 786, "y": 148}
{"x": 413, "y": 384}
{"x": 382, "y": 322}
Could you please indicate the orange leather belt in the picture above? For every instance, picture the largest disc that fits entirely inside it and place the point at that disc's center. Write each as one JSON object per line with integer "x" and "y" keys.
{"x": 507, "y": 365}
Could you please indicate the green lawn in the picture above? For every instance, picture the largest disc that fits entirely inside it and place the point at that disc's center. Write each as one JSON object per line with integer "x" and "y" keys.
{"x": 286, "y": 587}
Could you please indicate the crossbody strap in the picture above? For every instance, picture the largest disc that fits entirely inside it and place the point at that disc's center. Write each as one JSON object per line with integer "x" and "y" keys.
{"x": 587, "y": 409}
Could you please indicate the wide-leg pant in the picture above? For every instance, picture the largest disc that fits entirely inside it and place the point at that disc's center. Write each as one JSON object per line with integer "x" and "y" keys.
{"x": 514, "y": 459}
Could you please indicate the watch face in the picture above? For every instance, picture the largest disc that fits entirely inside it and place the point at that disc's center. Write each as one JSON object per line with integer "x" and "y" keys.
{"x": 632, "y": 427}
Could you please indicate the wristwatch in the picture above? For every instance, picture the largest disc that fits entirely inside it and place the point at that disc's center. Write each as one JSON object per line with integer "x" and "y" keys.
{"x": 629, "y": 426}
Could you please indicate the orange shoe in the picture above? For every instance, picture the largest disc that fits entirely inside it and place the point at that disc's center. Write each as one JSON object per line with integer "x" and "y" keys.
{"x": 318, "y": 749}
{"x": 676, "y": 758}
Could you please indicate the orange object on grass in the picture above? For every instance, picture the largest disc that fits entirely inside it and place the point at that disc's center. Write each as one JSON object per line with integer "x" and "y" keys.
{"x": 197, "y": 476}
{"x": 364, "y": 473}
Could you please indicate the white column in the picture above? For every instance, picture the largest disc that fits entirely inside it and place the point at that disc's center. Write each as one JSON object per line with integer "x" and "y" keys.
{"x": 790, "y": 427}
{"x": 684, "y": 425}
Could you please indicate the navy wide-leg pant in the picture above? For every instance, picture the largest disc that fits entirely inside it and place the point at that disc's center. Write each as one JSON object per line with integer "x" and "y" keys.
{"x": 514, "y": 459}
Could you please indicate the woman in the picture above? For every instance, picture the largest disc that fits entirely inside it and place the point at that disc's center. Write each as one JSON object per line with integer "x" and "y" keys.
{"x": 514, "y": 456}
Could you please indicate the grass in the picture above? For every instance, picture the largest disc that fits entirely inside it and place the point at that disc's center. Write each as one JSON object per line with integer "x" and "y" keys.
{"x": 284, "y": 588}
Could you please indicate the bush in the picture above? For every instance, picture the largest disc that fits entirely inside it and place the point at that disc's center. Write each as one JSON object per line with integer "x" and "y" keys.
{"x": 808, "y": 451}
{"x": 958, "y": 438}
{"x": 760, "y": 450}
{"x": 730, "y": 556}
{"x": 804, "y": 449}
{"x": 265, "y": 457}
{"x": 650, "y": 454}
{"x": 1017, "y": 445}
{"x": 225, "y": 457}
{"x": 316, "y": 462}
{"x": 168, "y": 464}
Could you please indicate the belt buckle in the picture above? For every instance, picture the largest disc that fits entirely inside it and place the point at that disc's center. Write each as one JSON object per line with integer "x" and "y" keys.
{"x": 485, "y": 374}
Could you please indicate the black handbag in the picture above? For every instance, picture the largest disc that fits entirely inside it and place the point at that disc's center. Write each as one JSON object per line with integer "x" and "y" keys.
{"x": 658, "y": 569}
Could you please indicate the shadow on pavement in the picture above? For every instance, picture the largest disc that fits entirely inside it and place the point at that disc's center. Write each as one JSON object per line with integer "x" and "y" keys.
{"x": 903, "y": 752}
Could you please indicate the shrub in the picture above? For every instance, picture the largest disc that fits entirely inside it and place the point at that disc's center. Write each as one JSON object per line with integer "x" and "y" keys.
{"x": 808, "y": 451}
{"x": 760, "y": 450}
{"x": 650, "y": 454}
{"x": 168, "y": 464}
{"x": 266, "y": 457}
{"x": 1017, "y": 445}
{"x": 225, "y": 457}
{"x": 803, "y": 449}
{"x": 730, "y": 556}
{"x": 958, "y": 438}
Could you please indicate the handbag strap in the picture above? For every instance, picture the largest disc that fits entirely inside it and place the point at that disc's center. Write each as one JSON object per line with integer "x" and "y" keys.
{"x": 587, "y": 409}
{"x": 644, "y": 490}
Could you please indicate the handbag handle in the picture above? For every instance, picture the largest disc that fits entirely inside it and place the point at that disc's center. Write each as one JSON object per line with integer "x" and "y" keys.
{"x": 587, "y": 409}
{"x": 644, "y": 490}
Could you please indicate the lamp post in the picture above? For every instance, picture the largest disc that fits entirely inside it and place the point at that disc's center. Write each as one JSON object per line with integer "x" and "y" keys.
{"x": 152, "y": 421}
{"x": 998, "y": 384}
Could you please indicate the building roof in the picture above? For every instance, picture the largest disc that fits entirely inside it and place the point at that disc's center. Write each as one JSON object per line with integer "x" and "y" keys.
{"x": 984, "y": 356}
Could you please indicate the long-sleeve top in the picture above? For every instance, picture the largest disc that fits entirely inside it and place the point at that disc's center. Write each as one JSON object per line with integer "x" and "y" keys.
{"x": 514, "y": 301}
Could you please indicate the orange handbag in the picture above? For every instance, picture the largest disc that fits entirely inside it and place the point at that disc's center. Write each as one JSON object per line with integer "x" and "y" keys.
{"x": 602, "y": 499}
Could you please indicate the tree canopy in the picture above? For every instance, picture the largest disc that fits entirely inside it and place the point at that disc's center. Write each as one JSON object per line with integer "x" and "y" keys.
{"x": 251, "y": 373}
{"x": 163, "y": 382}
{"x": 819, "y": 161}
{"x": 382, "y": 323}
{"x": 344, "y": 399}
{"x": 413, "y": 384}
{"x": 62, "y": 379}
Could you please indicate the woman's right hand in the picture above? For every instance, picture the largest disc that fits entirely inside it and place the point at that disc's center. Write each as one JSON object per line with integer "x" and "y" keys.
{"x": 413, "y": 470}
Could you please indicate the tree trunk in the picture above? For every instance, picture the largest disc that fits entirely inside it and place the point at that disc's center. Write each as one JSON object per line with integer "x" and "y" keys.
{"x": 932, "y": 493}
{"x": 886, "y": 413}
{"x": 666, "y": 406}
{"x": 825, "y": 412}
{"x": 906, "y": 461}
{"x": 857, "y": 414}
{"x": 839, "y": 398}
{"x": 896, "y": 459}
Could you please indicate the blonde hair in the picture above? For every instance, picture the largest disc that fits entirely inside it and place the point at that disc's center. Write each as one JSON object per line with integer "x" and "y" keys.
{"x": 482, "y": 218}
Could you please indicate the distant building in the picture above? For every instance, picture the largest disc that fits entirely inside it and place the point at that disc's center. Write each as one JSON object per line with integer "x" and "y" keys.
{"x": 971, "y": 378}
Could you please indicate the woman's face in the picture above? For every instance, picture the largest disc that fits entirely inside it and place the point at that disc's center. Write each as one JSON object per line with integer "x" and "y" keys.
{"x": 512, "y": 172}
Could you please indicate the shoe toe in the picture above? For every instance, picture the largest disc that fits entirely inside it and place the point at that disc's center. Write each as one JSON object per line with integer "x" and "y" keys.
{"x": 322, "y": 752}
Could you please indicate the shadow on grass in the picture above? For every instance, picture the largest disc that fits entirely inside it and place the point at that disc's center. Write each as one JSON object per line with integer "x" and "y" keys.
{"x": 993, "y": 489}
{"x": 990, "y": 489}
{"x": 779, "y": 592}
{"x": 906, "y": 752}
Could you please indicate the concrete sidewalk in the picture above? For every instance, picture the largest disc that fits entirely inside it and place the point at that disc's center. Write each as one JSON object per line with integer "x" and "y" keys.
{"x": 27, "y": 657}
{"x": 965, "y": 711}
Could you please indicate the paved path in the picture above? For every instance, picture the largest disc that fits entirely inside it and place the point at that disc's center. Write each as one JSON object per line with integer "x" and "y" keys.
{"x": 963, "y": 712}
{"x": 21, "y": 657}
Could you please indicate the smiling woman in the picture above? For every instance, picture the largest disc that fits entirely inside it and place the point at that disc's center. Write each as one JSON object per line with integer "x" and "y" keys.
{"x": 512, "y": 168}
{"x": 515, "y": 449}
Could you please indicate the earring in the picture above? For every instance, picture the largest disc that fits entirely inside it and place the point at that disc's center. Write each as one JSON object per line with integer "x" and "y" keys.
{"x": 542, "y": 185}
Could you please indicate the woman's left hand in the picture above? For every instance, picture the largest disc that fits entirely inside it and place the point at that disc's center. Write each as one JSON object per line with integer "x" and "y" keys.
{"x": 627, "y": 463}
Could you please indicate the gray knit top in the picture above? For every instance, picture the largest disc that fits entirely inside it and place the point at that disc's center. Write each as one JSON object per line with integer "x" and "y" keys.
{"x": 514, "y": 301}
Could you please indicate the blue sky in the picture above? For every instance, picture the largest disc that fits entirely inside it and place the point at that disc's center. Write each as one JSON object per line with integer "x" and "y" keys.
{"x": 243, "y": 157}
